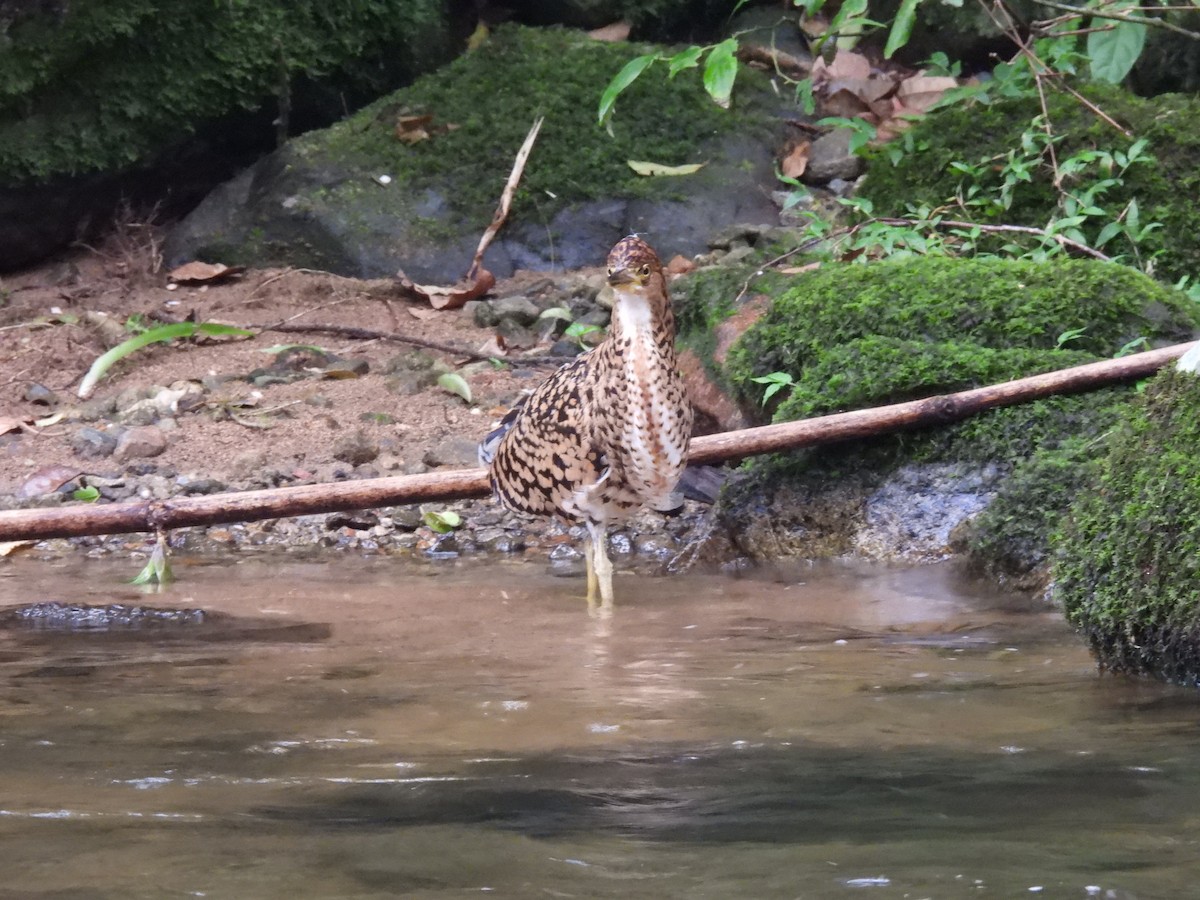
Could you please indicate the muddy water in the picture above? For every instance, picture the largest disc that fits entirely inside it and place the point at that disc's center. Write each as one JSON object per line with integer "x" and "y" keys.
{"x": 362, "y": 730}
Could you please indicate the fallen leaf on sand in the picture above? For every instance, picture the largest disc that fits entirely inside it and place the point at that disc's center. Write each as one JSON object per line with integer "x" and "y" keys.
{"x": 451, "y": 297}
{"x": 794, "y": 164}
{"x": 652, "y": 168}
{"x": 11, "y": 423}
{"x": 47, "y": 480}
{"x": 201, "y": 272}
{"x": 7, "y": 548}
{"x": 617, "y": 31}
{"x": 494, "y": 346}
{"x": 420, "y": 312}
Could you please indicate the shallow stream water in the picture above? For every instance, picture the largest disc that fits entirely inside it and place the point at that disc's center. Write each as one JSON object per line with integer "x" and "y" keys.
{"x": 357, "y": 729}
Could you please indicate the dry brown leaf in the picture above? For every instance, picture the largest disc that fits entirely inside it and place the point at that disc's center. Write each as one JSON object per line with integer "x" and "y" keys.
{"x": 799, "y": 270}
{"x": 494, "y": 346}
{"x": 846, "y": 64}
{"x": 796, "y": 161}
{"x": 411, "y": 129}
{"x": 197, "y": 272}
{"x": 420, "y": 312}
{"x": 451, "y": 297}
{"x": 680, "y": 265}
{"x": 922, "y": 91}
{"x": 844, "y": 104}
{"x": 617, "y": 31}
{"x": 7, "y": 548}
{"x": 11, "y": 423}
{"x": 47, "y": 480}
{"x": 652, "y": 169}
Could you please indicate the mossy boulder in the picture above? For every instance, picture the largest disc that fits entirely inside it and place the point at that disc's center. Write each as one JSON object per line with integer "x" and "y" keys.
{"x": 1127, "y": 561}
{"x": 94, "y": 90}
{"x": 857, "y": 336}
{"x": 1164, "y": 187}
{"x": 322, "y": 200}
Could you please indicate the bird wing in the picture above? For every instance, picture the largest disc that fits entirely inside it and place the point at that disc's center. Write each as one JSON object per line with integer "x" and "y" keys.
{"x": 543, "y": 453}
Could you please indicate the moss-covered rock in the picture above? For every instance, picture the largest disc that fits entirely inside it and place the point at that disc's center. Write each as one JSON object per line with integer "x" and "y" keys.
{"x": 94, "y": 86}
{"x": 105, "y": 102}
{"x": 975, "y": 134}
{"x": 1127, "y": 562}
{"x": 859, "y": 336}
{"x": 577, "y": 196}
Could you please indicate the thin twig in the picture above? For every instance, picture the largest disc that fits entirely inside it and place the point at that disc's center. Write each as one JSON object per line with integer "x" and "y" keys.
{"x": 510, "y": 187}
{"x": 1152, "y": 21}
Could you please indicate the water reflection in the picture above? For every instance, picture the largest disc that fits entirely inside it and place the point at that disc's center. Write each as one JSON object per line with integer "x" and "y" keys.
{"x": 370, "y": 730}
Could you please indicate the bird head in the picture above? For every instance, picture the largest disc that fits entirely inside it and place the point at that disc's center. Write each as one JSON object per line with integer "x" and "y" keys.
{"x": 633, "y": 266}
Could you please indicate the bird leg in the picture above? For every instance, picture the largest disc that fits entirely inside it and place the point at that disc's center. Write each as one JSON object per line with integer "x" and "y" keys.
{"x": 599, "y": 570}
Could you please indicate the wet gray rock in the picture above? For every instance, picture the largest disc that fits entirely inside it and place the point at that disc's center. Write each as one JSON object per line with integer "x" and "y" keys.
{"x": 56, "y": 616}
{"x": 41, "y": 395}
{"x": 355, "y": 448}
{"x": 202, "y": 486}
{"x": 519, "y": 310}
{"x": 914, "y": 514}
{"x": 830, "y": 158}
{"x": 359, "y": 520}
{"x": 141, "y": 442}
{"x": 92, "y": 443}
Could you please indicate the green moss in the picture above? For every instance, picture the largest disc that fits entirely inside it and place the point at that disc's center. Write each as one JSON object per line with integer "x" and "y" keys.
{"x": 860, "y": 336}
{"x": 1127, "y": 563}
{"x": 490, "y": 98}
{"x": 1164, "y": 188}
{"x": 107, "y": 83}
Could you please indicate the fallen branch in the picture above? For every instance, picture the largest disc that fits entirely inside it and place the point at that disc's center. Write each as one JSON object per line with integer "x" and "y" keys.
{"x": 152, "y": 515}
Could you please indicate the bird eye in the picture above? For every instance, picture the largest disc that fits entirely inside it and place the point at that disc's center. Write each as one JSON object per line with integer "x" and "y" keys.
{"x": 644, "y": 270}
{"x": 610, "y": 270}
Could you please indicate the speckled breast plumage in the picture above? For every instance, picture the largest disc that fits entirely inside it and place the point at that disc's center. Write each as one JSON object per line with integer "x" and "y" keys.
{"x": 608, "y": 432}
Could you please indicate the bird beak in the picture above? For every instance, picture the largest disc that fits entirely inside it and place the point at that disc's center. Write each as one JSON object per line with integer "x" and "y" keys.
{"x": 622, "y": 277}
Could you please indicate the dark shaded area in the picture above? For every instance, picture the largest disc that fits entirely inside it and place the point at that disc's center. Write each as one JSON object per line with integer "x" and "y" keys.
{"x": 782, "y": 794}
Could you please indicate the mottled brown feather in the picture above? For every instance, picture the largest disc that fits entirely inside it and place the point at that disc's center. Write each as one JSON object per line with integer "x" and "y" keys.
{"x": 606, "y": 433}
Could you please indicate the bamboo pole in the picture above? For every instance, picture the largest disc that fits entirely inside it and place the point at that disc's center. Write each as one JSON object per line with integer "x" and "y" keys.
{"x": 245, "y": 506}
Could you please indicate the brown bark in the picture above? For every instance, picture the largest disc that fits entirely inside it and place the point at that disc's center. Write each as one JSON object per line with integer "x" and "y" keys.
{"x": 247, "y": 506}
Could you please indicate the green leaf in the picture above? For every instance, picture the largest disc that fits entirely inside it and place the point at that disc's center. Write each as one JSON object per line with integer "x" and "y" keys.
{"x": 653, "y": 168}
{"x": 455, "y": 384}
{"x": 578, "y": 329}
{"x": 685, "y": 59}
{"x": 623, "y": 79}
{"x": 87, "y": 494}
{"x": 1113, "y": 51}
{"x": 158, "y": 569}
{"x": 902, "y": 27}
{"x": 556, "y": 312}
{"x": 720, "y": 71}
{"x": 442, "y": 521}
{"x": 1069, "y": 335}
{"x": 155, "y": 335}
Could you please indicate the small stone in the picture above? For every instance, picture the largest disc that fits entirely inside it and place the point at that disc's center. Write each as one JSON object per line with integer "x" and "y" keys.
{"x": 139, "y": 443}
{"x": 41, "y": 395}
{"x": 355, "y": 448}
{"x": 359, "y": 520}
{"x": 830, "y": 157}
{"x": 92, "y": 443}
{"x": 203, "y": 486}
{"x": 482, "y": 313}
{"x": 248, "y": 464}
{"x": 620, "y": 544}
{"x": 519, "y": 310}
{"x": 453, "y": 452}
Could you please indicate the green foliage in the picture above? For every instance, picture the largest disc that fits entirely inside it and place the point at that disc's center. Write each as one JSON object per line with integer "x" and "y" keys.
{"x": 454, "y": 383}
{"x": 1125, "y": 566}
{"x": 145, "y": 338}
{"x": 107, "y": 84}
{"x": 442, "y": 521}
{"x": 1127, "y": 196}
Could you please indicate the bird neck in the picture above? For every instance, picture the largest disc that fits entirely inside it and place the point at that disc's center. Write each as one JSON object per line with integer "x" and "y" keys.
{"x": 645, "y": 314}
